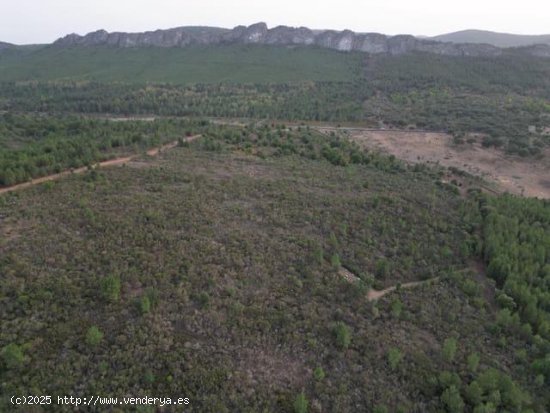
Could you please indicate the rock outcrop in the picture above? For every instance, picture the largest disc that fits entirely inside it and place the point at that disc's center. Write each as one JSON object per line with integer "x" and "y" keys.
{"x": 259, "y": 33}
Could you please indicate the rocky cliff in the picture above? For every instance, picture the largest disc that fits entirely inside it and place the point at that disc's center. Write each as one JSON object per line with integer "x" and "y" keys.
{"x": 259, "y": 33}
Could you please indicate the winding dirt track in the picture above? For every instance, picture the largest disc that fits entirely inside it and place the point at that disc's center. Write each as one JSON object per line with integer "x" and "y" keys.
{"x": 374, "y": 295}
{"x": 111, "y": 162}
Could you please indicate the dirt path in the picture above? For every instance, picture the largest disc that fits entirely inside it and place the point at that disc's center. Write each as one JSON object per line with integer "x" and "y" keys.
{"x": 374, "y": 295}
{"x": 110, "y": 162}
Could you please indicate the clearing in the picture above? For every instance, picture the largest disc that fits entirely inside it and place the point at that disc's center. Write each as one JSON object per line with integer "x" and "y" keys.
{"x": 520, "y": 176}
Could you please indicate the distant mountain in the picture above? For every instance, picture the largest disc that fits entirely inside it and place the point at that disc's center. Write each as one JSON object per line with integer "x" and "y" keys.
{"x": 502, "y": 40}
{"x": 4, "y": 46}
{"x": 281, "y": 35}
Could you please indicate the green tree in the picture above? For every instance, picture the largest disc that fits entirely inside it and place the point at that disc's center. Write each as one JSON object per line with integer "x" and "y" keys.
{"x": 394, "y": 357}
{"x": 449, "y": 349}
{"x": 319, "y": 373}
{"x": 473, "y": 362}
{"x": 335, "y": 261}
{"x": 144, "y": 305}
{"x": 110, "y": 288}
{"x": 396, "y": 308}
{"x": 94, "y": 336}
{"x": 473, "y": 393}
{"x": 300, "y": 404}
{"x": 382, "y": 268}
{"x": 343, "y": 335}
{"x": 13, "y": 356}
{"x": 452, "y": 400}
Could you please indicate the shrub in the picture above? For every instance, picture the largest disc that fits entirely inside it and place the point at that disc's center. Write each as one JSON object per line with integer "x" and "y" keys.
{"x": 473, "y": 362}
{"x": 449, "y": 349}
{"x": 394, "y": 358}
{"x": 94, "y": 336}
{"x": 319, "y": 373}
{"x": 343, "y": 335}
{"x": 144, "y": 305}
{"x": 13, "y": 356}
{"x": 300, "y": 404}
{"x": 110, "y": 288}
{"x": 452, "y": 400}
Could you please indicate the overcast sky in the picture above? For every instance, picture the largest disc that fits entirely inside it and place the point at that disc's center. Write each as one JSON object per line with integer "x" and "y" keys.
{"x": 42, "y": 21}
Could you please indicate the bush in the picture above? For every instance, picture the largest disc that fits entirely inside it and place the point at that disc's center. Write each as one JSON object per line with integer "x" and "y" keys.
{"x": 13, "y": 356}
{"x": 110, "y": 288}
{"x": 94, "y": 336}
{"x": 343, "y": 335}
{"x": 449, "y": 349}
{"x": 144, "y": 305}
{"x": 300, "y": 404}
{"x": 394, "y": 358}
{"x": 452, "y": 400}
{"x": 319, "y": 373}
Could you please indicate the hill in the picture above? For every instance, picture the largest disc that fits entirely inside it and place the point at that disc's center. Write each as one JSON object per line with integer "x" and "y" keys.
{"x": 493, "y": 38}
{"x": 259, "y": 33}
{"x": 194, "y": 64}
{"x": 214, "y": 272}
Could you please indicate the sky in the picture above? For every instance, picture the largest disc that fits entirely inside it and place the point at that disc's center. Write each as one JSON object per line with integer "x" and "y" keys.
{"x": 43, "y": 21}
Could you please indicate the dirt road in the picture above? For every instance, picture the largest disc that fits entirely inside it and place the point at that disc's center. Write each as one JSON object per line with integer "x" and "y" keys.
{"x": 374, "y": 295}
{"x": 111, "y": 162}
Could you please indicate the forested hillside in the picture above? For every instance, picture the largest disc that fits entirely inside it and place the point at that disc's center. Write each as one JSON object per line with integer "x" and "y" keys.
{"x": 505, "y": 99}
{"x": 215, "y": 273}
{"x": 199, "y": 64}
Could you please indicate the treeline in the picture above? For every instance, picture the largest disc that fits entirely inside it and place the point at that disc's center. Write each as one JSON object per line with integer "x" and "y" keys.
{"x": 516, "y": 234}
{"x": 389, "y": 94}
{"x": 326, "y": 101}
{"x": 34, "y": 146}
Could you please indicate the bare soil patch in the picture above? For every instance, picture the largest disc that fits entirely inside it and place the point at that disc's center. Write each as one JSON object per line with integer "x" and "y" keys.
{"x": 520, "y": 176}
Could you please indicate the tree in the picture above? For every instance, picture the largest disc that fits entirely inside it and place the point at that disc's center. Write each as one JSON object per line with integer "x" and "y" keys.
{"x": 452, "y": 400}
{"x": 335, "y": 261}
{"x": 343, "y": 335}
{"x": 382, "y": 268}
{"x": 473, "y": 393}
{"x": 144, "y": 305}
{"x": 110, "y": 288}
{"x": 394, "y": 358}
{"x": 396, "y": 308}
{"x": 319, "y": 373}
{"x": 300, "y": 404}
{"x": 449, "y": 349}
{"x": 13, "y": 356}
{"x": 94, "y": 336}
{"x": 473, "y": 362}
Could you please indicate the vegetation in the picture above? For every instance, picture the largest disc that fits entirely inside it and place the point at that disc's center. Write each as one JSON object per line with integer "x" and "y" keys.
{"x": 33, "y": 146}
{"x": 505, "y": 100}
{"x": 208, "y": 272}
{"x": 189, "y": 65}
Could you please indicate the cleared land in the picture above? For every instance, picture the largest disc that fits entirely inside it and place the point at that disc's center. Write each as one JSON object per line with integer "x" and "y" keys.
{"x": 521, "y": 176}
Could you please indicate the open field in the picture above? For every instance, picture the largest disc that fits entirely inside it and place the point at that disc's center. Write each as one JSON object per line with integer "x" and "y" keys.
{"x": 528, "y": 177}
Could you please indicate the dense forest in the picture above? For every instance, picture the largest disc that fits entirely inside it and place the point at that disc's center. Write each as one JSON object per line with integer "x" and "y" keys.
{"x": 214, "y": 273}
{"x": 35, "y": 146}
{"x": 506, "y": 100}
{"x": 265, "y": 266}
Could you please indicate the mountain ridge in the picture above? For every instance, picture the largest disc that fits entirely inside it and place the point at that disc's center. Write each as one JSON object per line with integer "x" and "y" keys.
{"x": 259, "y": 33}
